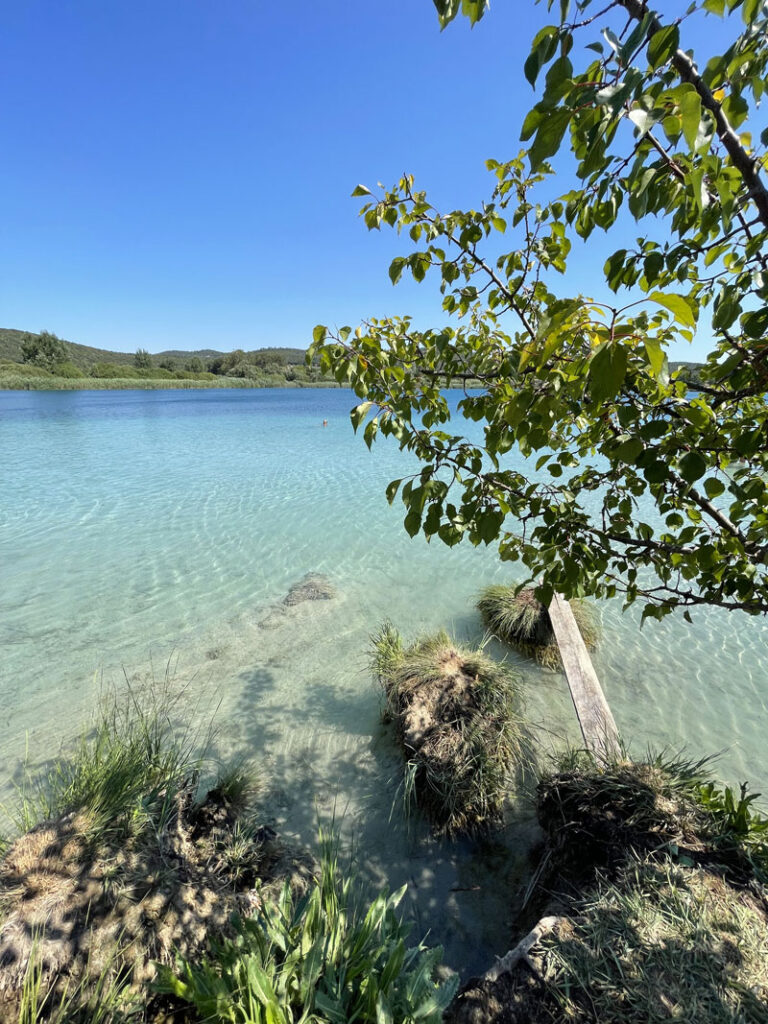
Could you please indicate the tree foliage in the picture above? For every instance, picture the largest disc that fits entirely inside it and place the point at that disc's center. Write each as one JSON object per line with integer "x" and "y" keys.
{"x": 44, "y": 349}
{"x": 629, "y": 481}
{"x": 142, "y": 360}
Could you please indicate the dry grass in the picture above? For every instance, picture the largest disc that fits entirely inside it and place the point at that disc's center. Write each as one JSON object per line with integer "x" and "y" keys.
{"x": 521, "y": 620}
{"x": 126, "y": 863}
{"x": 458, "y": 718}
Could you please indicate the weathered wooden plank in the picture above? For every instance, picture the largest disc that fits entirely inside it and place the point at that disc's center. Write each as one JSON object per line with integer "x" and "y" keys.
{"x": 597, "y": 724}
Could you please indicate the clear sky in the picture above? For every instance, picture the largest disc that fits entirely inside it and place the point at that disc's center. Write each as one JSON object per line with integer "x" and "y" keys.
{"x": 176, "y": 173}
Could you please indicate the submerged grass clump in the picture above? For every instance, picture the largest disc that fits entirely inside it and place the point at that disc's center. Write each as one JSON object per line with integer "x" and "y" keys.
{"x": 519, "y": 619}
{"x": 458, "y": 718}
{"x": 324, "y": 959}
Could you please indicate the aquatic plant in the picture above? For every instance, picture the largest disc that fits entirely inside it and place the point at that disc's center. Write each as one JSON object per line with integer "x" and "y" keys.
{"x": 459, "y": 721}
{"x": 323, "y": 959}
{"x": 519, "y": 619}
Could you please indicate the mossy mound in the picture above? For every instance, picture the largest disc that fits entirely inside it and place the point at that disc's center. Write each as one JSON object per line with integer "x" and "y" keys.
{"x": 126, "y": 863}
{"x": 519, "y": 619}
{"x": 660, "y": 906}
{"x": 458, "y": 719}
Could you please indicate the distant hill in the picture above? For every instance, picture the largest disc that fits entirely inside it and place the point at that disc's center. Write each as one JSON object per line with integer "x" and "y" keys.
{"x": 85, "y": 356}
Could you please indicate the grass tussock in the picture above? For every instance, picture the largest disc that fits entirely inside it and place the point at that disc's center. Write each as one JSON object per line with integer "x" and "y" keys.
{"x": 324, "y": 959}
{"x": 126, "y": 859}
{"x": 594, "y": 813}
{"x": 519, "y": 619}
{"x": 659, "y": 882}
{"x": 459, "y": 721}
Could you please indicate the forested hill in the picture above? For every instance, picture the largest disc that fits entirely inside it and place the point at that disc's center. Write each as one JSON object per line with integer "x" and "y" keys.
{"x": 86, "y": 356}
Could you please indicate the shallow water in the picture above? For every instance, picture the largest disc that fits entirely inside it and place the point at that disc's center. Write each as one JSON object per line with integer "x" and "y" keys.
{"x": 145, "y": 533}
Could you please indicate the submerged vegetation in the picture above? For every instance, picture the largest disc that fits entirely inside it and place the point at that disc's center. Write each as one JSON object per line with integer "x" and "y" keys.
{"x": 458, "y": 718}
{"x": 519, "y": 619}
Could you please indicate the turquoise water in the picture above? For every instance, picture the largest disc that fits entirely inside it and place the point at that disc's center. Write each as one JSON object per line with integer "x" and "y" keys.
{"x": 149, "y": 531}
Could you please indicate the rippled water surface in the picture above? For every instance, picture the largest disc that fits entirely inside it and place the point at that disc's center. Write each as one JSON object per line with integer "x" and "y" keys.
{"x": 145, "y": 533}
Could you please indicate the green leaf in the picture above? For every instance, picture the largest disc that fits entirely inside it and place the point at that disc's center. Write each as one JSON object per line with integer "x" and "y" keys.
{"x": 692, "y": 467}
{"x": 713, "y": 487}
{"x": 715, "y": 7}
{"x": 548, "y": 137}
{"x": 755, "y": 325}
{"x": 628, "y": 451}
{"x": 319, "y": 334}
{"x": 358, "y": 414}
{"x": 392, "y": 488}
{"x": 361, "y": 190}
{"x": 682, "y": 308}
{"x": 663, "y": 45}
{"x": 690, "y": 112}
{"x": 607, "y": 370}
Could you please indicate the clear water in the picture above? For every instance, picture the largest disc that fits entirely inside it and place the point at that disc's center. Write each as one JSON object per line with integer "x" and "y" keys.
{"x": 139, "y": 529}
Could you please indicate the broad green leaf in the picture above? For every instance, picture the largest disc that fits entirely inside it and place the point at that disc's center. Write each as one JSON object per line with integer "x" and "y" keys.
{"x": 682, "y": 308}
{"x": 607, "y": 369}
{"x": 549, "y": 135}
{"x": 690, "y": 113}
{"x": 692, "y": 467}
{"x": 663, "y": 45}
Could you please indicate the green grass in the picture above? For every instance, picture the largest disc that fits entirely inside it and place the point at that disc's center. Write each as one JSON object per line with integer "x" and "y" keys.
{"x": 517, "y": 618}
{"x": 123, "y": 777}
{"x": 660, "y": 943}
{"x": 459, "y": 720}
{"x": 322, "y": 958}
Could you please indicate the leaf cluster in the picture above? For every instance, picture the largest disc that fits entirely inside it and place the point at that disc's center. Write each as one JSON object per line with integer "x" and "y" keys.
{"x": 630, "y": 483}
{"x": 319, "y": 960}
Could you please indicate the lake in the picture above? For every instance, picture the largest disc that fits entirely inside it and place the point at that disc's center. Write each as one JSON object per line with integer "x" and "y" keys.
{"x": 154, "y": 534}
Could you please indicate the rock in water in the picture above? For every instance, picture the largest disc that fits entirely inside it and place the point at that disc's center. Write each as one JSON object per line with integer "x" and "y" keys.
{"x": 312, "y": 587}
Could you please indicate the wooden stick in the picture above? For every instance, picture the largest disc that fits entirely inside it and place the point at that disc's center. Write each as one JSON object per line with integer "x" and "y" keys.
{"x": 506, "y": 963}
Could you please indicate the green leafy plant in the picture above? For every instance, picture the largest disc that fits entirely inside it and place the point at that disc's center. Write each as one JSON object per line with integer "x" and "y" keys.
{"x": 634, "y": 483}
{"x": 319, "y": 958}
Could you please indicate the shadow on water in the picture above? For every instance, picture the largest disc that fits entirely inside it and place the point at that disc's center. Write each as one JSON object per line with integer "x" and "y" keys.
{"x": 462, "y": 893}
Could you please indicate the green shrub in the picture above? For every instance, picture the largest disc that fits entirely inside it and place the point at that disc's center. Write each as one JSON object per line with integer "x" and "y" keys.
{"x": 68, "y": 370}
{"x": 321, "y": 959}
{"x": 22, "y": 369}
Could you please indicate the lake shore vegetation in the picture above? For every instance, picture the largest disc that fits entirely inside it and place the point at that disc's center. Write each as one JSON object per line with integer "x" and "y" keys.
{"x": 517, "y": 617}
{"x": 37, "y": 362}
{"x": 459, "y": 720}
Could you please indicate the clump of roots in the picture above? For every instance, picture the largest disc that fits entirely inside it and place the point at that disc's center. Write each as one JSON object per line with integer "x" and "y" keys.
{"x": 458, "y": 718}
{"x": 519, "y": 619}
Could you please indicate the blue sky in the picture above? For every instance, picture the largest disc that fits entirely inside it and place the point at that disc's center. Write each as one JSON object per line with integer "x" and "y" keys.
{"x": 176, "y": 173}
